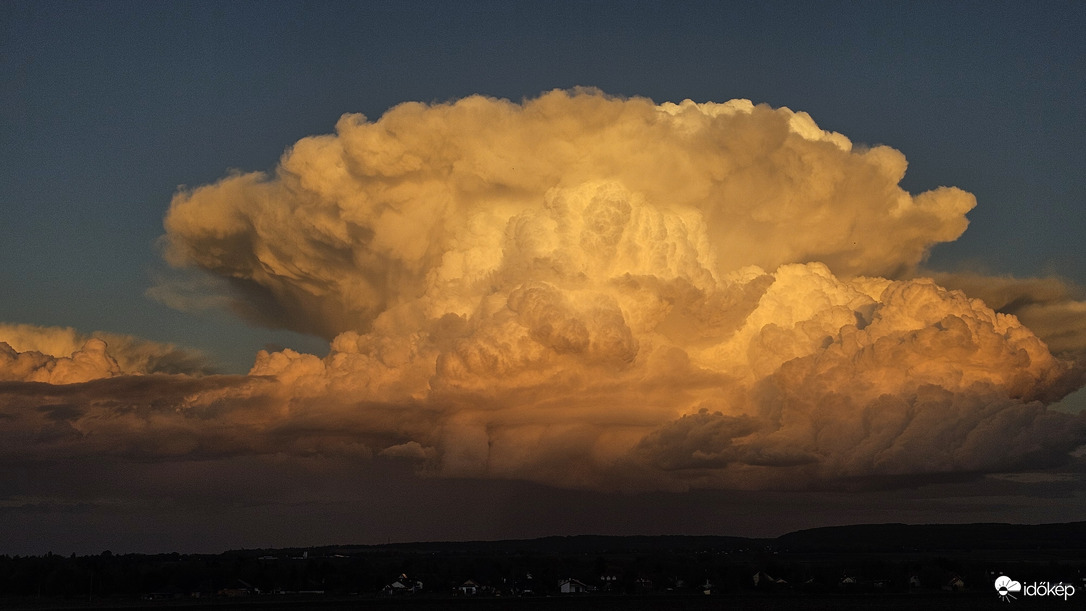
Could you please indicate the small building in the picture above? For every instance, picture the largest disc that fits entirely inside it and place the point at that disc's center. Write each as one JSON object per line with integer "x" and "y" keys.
{"x": 238, "y": 588}
{"x": 572, "y": 586}
{"x": 762, "y": 579}
{"x": 403, "y": 585}
{"x": 469, "y": 588}
{"x": 955, "y": 584}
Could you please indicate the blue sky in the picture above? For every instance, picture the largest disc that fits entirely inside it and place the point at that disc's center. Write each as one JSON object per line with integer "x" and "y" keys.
{"x": 109, "y": 107}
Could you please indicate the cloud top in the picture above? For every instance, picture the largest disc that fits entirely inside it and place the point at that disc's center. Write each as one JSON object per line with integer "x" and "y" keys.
{"x": 352, "y": 224}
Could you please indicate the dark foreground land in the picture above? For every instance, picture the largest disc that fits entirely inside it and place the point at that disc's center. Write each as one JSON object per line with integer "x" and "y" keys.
{"x": 890, "y": 566}
{"x": 934, "y": 602}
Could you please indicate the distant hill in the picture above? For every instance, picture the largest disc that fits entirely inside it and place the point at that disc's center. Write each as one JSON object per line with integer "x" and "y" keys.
{"x": 832, "y": 539}
{"x": 569, "y": 545}
{"x": 935, "y": 537}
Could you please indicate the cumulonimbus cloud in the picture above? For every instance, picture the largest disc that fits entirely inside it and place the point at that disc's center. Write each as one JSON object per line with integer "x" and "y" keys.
{"x": 425, "y": 199}
{"x": 596, "y": 292}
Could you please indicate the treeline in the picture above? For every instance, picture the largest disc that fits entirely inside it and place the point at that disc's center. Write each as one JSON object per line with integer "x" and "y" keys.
{"x": 182, "y": 575}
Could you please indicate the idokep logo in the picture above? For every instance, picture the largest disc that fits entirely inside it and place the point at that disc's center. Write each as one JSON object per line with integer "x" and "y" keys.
{"x": 1007, "y": 587}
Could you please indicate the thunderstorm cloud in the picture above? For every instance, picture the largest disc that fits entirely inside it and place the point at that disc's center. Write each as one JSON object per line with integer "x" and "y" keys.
{"x": 588, "y": 292}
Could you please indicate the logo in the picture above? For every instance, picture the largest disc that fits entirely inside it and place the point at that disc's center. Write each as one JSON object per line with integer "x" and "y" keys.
{"x": 1006, "y": 588}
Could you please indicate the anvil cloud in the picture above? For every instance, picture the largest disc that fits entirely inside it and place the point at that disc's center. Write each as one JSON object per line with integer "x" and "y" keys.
{"x": 582, "y": 291}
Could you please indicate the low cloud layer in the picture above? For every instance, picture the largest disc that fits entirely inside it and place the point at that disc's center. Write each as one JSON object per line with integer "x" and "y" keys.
{"x": 584, "y": 292}
{"x": 62, "y": 355}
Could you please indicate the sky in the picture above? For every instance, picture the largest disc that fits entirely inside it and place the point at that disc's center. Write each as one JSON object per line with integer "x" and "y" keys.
{"x": 299, "y": 274}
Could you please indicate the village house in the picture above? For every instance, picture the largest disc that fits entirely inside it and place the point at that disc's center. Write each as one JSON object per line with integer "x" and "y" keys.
{"x": 572, "y": 586}
{"x": 402, "y": 586}
{"x": 954, "y": 584}
{"x": 238, "y": 588}
{"x": 469, "y": 588}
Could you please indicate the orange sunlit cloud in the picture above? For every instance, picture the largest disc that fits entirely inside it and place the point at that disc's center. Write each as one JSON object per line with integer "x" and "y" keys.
{"x": 583, "y": 291}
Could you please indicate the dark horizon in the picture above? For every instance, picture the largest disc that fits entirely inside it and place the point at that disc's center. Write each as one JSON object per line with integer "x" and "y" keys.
{"x": 889, "y": 536}
{"x": 861, "y": 566}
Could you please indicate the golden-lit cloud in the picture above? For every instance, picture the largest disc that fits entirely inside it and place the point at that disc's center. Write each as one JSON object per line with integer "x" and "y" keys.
{"x": 584, "y": 291}
{"x": 1050, "y": 307}
{"x": 426, "y": 200}
{"x": 132, "y": 355}
{"x": 90, "y": 362}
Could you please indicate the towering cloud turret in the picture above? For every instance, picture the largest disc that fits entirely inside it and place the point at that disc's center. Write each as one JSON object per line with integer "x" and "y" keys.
{"x": 425, "y": 201}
